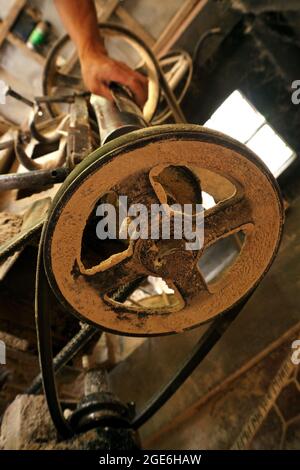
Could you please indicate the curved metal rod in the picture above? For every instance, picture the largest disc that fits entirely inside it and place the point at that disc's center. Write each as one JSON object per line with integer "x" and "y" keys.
{"x": 33, "y": 179}
{"x": 31, "y": 164}
{"x": 53, "y": 137}
{"x": 201, "y": 42}
{"x": 170, "y": 98}
{"x": 166, "y": 113}
{"x": 205, "y": 344}
{"x": 19, "y": 241}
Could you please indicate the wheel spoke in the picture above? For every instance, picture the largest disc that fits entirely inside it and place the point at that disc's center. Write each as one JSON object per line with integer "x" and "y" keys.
{"x": 226, "y": 219}
{"x": 117, "y": 276}
{"x": 190, "y": 283}
{"x": 175, "y": 185}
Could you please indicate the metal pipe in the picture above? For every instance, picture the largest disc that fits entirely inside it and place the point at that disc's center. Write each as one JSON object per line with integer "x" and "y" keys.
{"x": 96, "y": 381}
{"x": 32, "y": 179}
{"x": 119, "y": 117}
{"x": 14, "y": 94}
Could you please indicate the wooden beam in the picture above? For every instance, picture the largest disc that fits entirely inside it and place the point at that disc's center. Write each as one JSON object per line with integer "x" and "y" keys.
{"x": 10, "y": 19}
{"x": 28, "y": 52}
{"x": 105, "y": 8}
{"x": 135, "y": 26}
{"x": 15, "y": 82}
{"x": 179, "y": 23}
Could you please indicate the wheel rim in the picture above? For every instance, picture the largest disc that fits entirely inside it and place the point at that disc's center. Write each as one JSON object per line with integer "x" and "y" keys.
{"x": 254, "y": 208}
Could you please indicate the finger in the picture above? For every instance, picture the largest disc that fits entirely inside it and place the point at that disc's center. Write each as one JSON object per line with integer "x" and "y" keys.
{"x": 135, "y": 76}
{"x": 139, "y": 91}
{"x": 138, "y": 75}
{"x": 100, "y": 88}
{"x": 131, "y": 80}
{"x": 105, "y": 92}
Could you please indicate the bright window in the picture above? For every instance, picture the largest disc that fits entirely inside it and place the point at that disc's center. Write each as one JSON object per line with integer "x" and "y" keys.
{"x": 237, "y": 118}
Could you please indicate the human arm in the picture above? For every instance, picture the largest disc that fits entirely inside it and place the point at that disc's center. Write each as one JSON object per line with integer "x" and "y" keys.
{"x": 98, "y": 69}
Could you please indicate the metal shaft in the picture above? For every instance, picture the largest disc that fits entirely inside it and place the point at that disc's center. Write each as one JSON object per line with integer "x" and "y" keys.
{"x": 118, "y": 117}
{"x": 32, "y": 179}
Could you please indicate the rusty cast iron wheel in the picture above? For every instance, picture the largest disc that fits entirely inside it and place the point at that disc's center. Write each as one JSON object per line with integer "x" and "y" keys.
{"x": 63, "y": 78}
{"x": 167, "y": 164}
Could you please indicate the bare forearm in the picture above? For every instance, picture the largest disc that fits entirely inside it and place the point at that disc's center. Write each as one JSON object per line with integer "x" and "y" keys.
{"x": 80, "y": 20}
{"x": 98, "y": 70}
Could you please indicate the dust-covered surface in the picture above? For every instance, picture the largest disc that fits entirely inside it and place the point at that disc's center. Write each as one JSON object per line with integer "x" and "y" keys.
{"x": 27, "y": 426}
{"x": 10, "y": 225}
{"x": 13, "y": 342}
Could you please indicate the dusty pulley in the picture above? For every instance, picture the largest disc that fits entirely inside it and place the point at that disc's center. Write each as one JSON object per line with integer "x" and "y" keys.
{"x": 181, "y": 164}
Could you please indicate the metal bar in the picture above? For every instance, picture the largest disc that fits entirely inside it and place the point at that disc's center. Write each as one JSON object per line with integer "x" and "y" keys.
{"x": 19, "y": 97}
{"x": 32, "y": 179}
{"x": 79, "y": 133}
{"x": 61, "y": 98}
